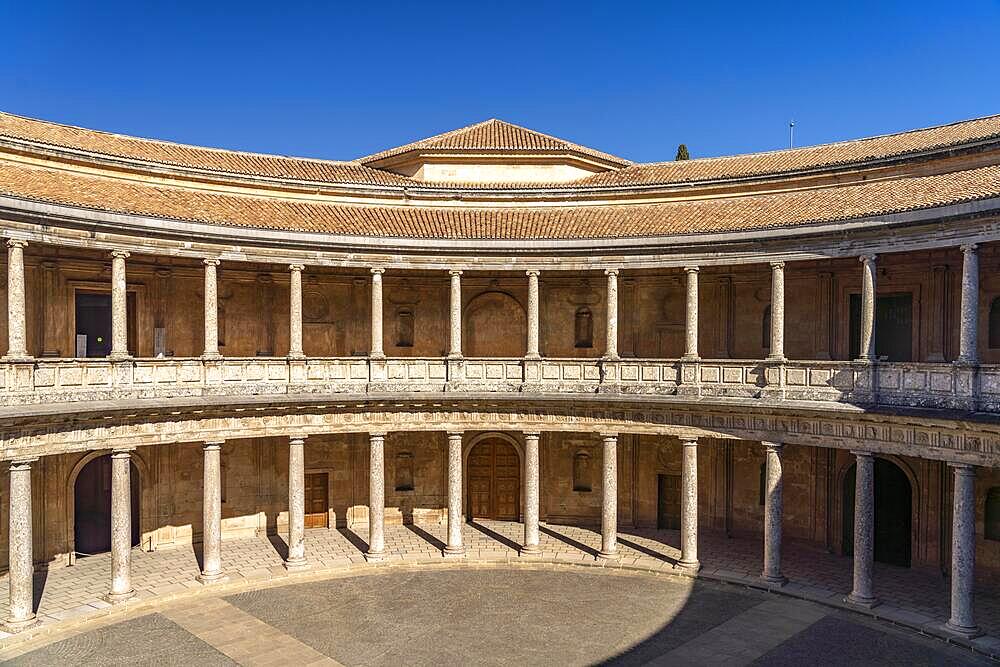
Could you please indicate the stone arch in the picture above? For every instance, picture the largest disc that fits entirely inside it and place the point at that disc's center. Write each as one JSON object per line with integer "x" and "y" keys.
{"x": 467, "y": 448}
{"x": 495, "y": 325}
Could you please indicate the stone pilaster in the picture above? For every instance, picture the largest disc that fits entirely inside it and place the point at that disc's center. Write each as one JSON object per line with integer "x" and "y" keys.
{"x": 969, "y": 319}
{"x": 376, "y": 497}
{"x": 17, "y": 331}
{"x": 689, "y": 505}
{"x": 211, "y": 541}
{"x": 611, "y": 351}
{"x": 963, "y": 552}
{"x": 296, "y": 505}
{"x": 455, "y": 316}
{"x": 376, "y": 351}
{"x": 121, "y": 527}
{"x": 773, "y": 513}
{"x": 864, "y": 531}
{"x": 295, "y": 312}
{"x": 691, "y": 315}
{"x": 211, "y": 310}
{"x": 531, "y": 477}
{"x": 533, "y": 349}
{"x": 454, "y": 546}
{"x": 119, "y": 306}
{"x": 609, "y": 497}
{"x": 20, "y": 575}
{"x": 867, "y": 350}
{"x": 777, "y": 312}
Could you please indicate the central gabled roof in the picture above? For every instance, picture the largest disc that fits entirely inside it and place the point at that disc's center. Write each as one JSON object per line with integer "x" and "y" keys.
{"x": 494, "y": 136}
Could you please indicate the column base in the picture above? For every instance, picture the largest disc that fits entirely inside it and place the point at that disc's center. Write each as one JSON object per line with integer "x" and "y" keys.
{"x": 529, "y": 551}
{"x": 211, "y": 357}
{"x": 453, "y": 552}
{"x": 775, "y": 580}
{"x": 208, "y": 578}
{"x": 862, "y": 601}
{"x": 296, "y": 356}
{"x": 13, "y": 627}
{"x": 17, "y": 358}
{"x": 118, "y": 598}
{"x": 119, "y": 356}
{"x": 965, "y": 631}
{"x": 688, "y": 566}
{"x": 374, "y": 556}
{"x": 607, "y": 555}
{"x": 296, "y": 565}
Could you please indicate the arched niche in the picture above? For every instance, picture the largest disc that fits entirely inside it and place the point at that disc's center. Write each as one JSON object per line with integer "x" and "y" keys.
{"x": 495, "y": 325}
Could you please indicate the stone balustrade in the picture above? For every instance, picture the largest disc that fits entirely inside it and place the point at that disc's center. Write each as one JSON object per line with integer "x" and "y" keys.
{"x": 915, "y": 385}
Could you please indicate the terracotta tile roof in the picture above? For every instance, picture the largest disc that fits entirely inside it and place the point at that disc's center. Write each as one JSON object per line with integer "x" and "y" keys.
{"x": 751, "y": 212}
{"x": 494, "y": 136}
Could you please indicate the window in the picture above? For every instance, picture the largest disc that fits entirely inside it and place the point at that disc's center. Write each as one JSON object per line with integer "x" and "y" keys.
{"x": 991, "y": 527}
{"x": 765, "y": 329}
{"x": 994, "y": 326}
{"x": 581, "y": 473}
{"x": 584, "y": 327}
{"x": 404, "y": 327}
{"x": 404, "y": 471}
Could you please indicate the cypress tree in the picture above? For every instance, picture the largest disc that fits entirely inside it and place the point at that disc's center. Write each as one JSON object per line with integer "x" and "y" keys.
{"x": 682, "y": 153}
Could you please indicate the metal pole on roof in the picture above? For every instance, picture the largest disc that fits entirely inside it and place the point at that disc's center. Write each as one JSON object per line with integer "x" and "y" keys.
{"x": 791, "y": 134}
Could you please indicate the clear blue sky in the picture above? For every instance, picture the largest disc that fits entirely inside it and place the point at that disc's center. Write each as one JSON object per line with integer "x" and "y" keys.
{"x": 336, "y": 80}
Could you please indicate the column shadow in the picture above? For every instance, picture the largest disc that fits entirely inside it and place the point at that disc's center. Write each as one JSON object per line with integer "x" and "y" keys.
{"x": 423, "y": 534}
{"x": 280, "y": 545}
{"x": 38, "y": 579}
{"x": 647, "y": 551}
{"x": 492, "y": 534}
{"x": 354, "y": 539}
{"x": 568, "y": 541}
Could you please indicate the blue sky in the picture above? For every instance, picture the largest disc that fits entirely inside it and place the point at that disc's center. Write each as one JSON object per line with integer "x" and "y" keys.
{"x": 343, "y": 80}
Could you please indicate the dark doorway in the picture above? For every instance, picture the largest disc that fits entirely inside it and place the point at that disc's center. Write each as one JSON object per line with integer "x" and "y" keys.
{"x": 494, "y": 481}
{"x": 92, "y": 507}
{"x": 893, "y": 513}
{"x": 93, "y": 320}
{"x": 893, "y": 326}
{"x": 668, "y": 502}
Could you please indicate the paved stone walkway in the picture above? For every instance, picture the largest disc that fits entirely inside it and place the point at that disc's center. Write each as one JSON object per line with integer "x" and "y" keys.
{"x": 911, "y": 597}
{"x": 501, "y": 615}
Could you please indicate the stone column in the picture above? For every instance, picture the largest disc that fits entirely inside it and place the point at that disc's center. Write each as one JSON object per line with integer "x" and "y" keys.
{"x": 211, "y": 541}
{"x": 454, "y": 547}
{"x": 773, "y": 511}
{"x": 777, "y": 312}
{"x": 867, "y": 352}
{"x": 376, "y": 497}
{"x": 376, "y": 346}
{"x": 211, "y": 310}
{"x": 531, "y": 476}
{"x": 612, "y": 327}
{"x": 691, "y": 315}
{"x": 455, "y": 342}
{"x": 121, "y": 527}
{"x": 609, "y": 497}
{"x": 969, "y": 334}
{"x": 296, "y": 505}
{"x": 963, "y": 552}
{"x": 532, "y": 352}
{"x": 17, "y": 332}
{"x": 864, "y": 531}
{"x": 119, "y": 306}
{"x": 20, "y": 576}
{"x": 295, "y": 312}
{"x": 689, "y": 505}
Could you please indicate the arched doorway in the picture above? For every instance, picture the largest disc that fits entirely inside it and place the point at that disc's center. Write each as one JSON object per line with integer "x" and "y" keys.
{"x": 893, "y": 513}
{"x": 495, "y": 326}
{"x": 92, "y": 507}
{"x": 494, "y": 480}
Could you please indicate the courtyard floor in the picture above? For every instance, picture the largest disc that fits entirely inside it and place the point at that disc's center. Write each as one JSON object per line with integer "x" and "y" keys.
{"x": 67, "y": 598}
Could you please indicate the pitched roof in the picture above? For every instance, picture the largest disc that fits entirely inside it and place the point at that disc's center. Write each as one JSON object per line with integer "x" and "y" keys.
{"x": 496, "y": 136}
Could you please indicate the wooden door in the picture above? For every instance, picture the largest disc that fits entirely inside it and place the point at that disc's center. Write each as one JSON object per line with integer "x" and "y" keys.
{"x": 668, "y": 509}
{"x": 494, "y": 481}
{"x": 317, "y": 500}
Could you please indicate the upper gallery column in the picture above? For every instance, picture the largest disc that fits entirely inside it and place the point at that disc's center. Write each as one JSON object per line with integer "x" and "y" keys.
{"x": 777, "y": 312}
{"x": 864, "y": 531}
{"x": 454, "y": 546}
{"x": 689, "y": 505}
{"x": 455, "y": 339}
{"x": 211, "y": 310}
{"x": 295, "y": 312}
{"x": 119, "y": 306}
{"x": 376, "y": 497}
{"x": 867, "y": 349}
{"x": 532, "y": 352}
{"x": 531, "y": 477}
{"x": 211, "y": 569}
{"x": 963, "y": 551}
{"x": 609, "y": 497}
{"x": 376, "y": 346}
{"x": 296, "y": 504}
{"x": 691, "y": 314}
{"x": 20, "y": 574}
{"x": 773, "y": 514}
{"x": 17, "y": 337}
{"x": 612, "y": 326}
{"x": 121, "y": 526}
{"x": 969, "y": 333}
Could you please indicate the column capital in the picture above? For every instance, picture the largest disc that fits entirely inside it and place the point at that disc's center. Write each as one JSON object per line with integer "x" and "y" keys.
{"x": 452, "y": 435}
{"x": 867, "y": 259}
{"x": 211, "y": 261}
{"x": 611, "y": 272}
{"x": 689, "y": 441}
{"x": 377, "y": 435}
{"x": 22, "y": 464}
{"x": 121, "y": 254}
{"x": 532, "y": 273}
{"x": 454, "y": 272}
{"x": 297, "y": 439}
{"x": 772, "y": 446}
{"x": 606, "y": 437}
{"x": 531, "y": 434}
{"x": 17, "y": 243}
{"x": 122, "y": 452}
{"x": 377, "y": 271}
{"x": 962, "y": 468}
{"x": 692, "y": 269}
{"x": 211, "y": 445}
{"x": 296, "y": 267}
{"x": 862, "y": 453}
{"x": 969, "y": 247}
{"x": 778, "y": 264}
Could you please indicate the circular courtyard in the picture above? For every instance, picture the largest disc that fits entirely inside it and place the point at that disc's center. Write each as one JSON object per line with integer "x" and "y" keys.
{"x": 503, "y": 616}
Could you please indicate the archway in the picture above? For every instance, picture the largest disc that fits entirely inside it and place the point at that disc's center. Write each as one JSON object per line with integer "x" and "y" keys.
{"x": 495, "y": 326}
{"x": 92, "y": 507}
{"x": 893, "y": 513}
{"x": 494, "y": 480}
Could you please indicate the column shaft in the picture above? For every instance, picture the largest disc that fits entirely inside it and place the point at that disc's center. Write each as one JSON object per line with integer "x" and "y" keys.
{"x": 295, "y": 312}
{"x": 609, "y": 497}
{"x": 612, "y": 325}
{"x": 121, "y": 527}
{"x": 454, "y": 547}
{"x": 455, "y": 343}
{"x": 211, "y": 309}
{"x": 20, "y": 575}
{"x": 691, "y": 314}
{"x": 376, "y": 346}
{"x": 119, "y": 306}
{"x": 211, "y": 569}
{"x": 296, "y": 505}
{"x": 963, "y": 552}
{"x": 17, "y": 337}
{"x": 867, "y": 352}
{"x": 777, "y": 312}
{"x": 773, "y": 512}
{"x": 376, "y": 497}
{"x": 530, "y": 494}
{"x": 533, "y": 349}
{"x": 864, "y": 531}
{"x": 689, "y": 505}
{"x": 969, "y": 334}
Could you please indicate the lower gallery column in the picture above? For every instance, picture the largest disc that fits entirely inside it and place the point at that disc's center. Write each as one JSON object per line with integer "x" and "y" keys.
{"x": 689, "y": 505}
{"x": 963, "y": 551}
{"x": 211, "y": 541}
{"x": 376, "y": 497}
{"x": 864, "y": 531}
{"x": 121, "y": 527}
{"x": 20, "y": 576}
{"x": 773, "y": 511}
{"x": 296, "y": 505}
{"x": 454, "y": 547}
{"x": 530, "y": 495}
{"x": 609, "y": 497}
